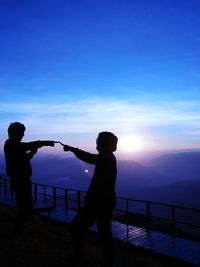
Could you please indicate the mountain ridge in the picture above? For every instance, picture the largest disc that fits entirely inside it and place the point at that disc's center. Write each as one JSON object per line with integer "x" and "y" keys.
{"x": 160, "y": 181}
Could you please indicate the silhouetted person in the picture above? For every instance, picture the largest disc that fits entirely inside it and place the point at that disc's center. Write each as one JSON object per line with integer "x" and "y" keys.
{"x": 18, "y": 155}
{"x": 100, "y": 198}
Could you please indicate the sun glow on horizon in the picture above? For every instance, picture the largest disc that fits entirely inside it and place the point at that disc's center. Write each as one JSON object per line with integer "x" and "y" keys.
{"x": 131, "y": 143}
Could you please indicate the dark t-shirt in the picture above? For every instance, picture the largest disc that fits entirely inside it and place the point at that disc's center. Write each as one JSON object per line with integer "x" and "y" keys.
{"x": 17, "y": 158}
{"x": 102, "y": 185}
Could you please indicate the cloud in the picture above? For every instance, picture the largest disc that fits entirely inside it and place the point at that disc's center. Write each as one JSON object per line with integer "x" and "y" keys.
{"x": 195, "y": 133}
{"x": 94, "y": 114}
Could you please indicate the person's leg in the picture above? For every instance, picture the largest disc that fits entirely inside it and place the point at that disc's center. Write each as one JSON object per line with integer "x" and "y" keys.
{"x": 105, "y": 232}
{"x": 29, "y": 199}
{"x": 24, "y": 203}
{"x": 84, "y": 219}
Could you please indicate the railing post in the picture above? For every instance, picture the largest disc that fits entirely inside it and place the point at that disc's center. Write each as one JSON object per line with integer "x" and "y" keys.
{"x": 54, "y": 196}
{"x": 127, "y": 221}
{"x": 79, "y": 199}
{"x": 44, "y": 193}
{"x": 148, "y": 216}
{"x": 173, "y": 221}
{"x": 66, "y": 199}
{"x": 35, "y": 193}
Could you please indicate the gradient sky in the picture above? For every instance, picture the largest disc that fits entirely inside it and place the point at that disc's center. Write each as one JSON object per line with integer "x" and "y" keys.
{"x": 70, "y": 69}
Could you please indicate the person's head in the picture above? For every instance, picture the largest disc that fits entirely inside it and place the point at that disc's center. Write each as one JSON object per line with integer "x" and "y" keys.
{"x": 106, "y": 142}
{"x": 16, "y": 131}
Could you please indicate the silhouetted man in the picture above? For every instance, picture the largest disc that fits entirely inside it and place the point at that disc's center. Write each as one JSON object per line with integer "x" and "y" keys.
{"x": 100, "y": 198}
{"x": 18, "y": 167}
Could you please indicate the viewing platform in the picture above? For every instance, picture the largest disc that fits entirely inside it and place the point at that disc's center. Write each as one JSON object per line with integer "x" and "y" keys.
{"x": 178, "y": 236}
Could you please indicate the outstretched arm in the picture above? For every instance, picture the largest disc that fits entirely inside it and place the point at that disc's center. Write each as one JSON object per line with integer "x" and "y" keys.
{"x": 82, "y": 155}
{"x": 36, "y": 144}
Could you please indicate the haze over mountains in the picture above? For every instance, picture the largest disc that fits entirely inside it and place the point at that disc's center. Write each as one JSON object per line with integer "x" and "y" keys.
{"x": 173, "y": 178}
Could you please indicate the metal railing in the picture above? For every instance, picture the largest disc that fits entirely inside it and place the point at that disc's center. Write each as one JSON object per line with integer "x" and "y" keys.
{"x": 178, "y": 220}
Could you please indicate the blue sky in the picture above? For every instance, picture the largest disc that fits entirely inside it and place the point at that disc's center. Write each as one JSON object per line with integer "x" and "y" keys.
{"x": 70, "y": 69}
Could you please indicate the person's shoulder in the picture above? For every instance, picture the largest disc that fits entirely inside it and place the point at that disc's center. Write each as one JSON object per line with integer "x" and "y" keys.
{"x": 8, "y": 145}
{"x": 8, "y": 142}
{"x": 111, "y": 155}
{"x": 11, "y": 143}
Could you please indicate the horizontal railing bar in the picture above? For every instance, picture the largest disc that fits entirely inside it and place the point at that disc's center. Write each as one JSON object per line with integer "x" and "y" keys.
{"x": 60, "y": 188}
{"x": 188, "y": 224}
{"x": 129, "y": 199}
{"x": 151, "y": 204}
{"x": 169, "y": 220}
{"x": 158, "y": 203}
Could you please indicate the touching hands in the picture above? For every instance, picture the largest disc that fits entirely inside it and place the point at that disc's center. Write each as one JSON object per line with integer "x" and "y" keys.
{"x": 65, "y": 147}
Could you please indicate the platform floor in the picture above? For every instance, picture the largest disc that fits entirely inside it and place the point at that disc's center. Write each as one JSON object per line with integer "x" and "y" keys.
{"x": 176, "y": 247}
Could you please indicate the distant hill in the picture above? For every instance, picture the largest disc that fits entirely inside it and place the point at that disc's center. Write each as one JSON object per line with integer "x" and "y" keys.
{"x": 138, "y": 181}
{"x": 72, "y": 172}
{"x": 172, "y": 178}
{"x": 59, "y": 171}
{"x": 184, "y": 193}
{"x": 178, "y": 166}
{"x": 135, "y": 179}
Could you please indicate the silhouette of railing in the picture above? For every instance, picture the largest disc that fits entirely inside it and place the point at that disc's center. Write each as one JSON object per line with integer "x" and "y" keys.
{"x": 176, "y": 219}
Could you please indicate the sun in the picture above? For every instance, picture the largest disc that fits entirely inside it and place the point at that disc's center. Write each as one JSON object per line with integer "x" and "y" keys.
{"x": 130, "y": 143}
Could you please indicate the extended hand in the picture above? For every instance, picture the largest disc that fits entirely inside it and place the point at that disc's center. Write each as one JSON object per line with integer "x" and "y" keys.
{"x": 49, "y": 143}
{"x": 66, "y": 148}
